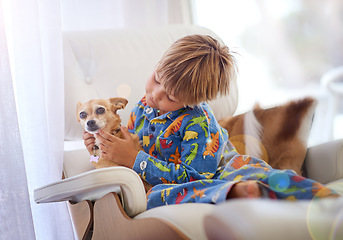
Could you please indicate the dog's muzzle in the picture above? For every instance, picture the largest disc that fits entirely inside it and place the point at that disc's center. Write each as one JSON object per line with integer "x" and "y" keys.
{"x": 92, "y": 126}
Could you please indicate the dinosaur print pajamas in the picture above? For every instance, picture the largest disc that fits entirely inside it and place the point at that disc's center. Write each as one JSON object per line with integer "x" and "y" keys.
{"x": 187, "y": 158}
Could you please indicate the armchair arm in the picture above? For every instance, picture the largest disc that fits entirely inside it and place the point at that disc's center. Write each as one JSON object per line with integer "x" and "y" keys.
{"x": 95, "y": 184}
{"x": 324, "y": 162}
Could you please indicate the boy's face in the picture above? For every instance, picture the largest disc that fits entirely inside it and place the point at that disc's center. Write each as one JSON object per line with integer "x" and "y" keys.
{"x": 157, "y": 97}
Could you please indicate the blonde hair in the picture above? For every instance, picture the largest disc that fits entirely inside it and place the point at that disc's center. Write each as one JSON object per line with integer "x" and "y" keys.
{"x": 197, "y": 68}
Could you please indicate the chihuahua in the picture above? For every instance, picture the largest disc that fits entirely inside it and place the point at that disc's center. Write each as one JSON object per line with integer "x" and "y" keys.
{"x": 102, "y": 114}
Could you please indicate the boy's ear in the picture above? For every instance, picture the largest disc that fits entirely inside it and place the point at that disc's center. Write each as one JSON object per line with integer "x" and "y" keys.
{"x": 118, "y": 103}
{"x": 78, "y": 108}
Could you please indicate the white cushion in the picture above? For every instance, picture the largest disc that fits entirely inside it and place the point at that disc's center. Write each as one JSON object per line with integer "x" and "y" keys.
{"x": 187, "y": 217}
{"x": 324, "y": 162}
{"x": 270, "y": 219}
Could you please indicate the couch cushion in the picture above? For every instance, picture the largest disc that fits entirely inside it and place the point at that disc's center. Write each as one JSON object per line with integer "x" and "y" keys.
{"x": 187, "y": 217}
{"x": 270, "y": 219}
{"x": 324, "y": 162}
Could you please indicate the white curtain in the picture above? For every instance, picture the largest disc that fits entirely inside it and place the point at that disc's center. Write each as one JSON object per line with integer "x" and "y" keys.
{"x": 14, "y": 205}
{"x": 32, "y": 98}
{"x": 32, "y": 127}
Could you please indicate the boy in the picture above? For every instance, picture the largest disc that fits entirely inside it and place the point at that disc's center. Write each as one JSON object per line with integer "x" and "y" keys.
{"x": 183, "y": 142}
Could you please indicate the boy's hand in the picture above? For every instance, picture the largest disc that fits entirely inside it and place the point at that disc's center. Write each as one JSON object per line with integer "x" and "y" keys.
{"x": 89, "y": 141}
{"x": 121, "y": 151}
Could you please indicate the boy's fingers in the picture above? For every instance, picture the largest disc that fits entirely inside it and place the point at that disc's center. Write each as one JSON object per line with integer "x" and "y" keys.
{"x": 87, "y": 135}
{"x": 125, "y": 132}
{"x": 106, "y": 136}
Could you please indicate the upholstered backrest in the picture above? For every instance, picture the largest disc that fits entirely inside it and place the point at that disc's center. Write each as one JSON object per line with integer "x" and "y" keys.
{"x": 112, "y": 63}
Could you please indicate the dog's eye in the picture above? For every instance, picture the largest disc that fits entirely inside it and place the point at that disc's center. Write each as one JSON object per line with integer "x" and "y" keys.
{"x": 100, "y": 110}
{"x": 83, "y": 115}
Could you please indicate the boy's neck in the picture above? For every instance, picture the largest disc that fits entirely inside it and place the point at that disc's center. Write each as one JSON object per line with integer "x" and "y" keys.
{"x": 160, "y": 112}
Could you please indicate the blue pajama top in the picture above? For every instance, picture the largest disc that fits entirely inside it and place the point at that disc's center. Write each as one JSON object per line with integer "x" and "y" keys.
{"x": 179, "y": 146}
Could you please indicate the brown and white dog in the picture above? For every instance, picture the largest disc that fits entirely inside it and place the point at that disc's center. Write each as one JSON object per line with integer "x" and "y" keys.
{"x": 277, "y": 135}
{"x": 99, "y": 114}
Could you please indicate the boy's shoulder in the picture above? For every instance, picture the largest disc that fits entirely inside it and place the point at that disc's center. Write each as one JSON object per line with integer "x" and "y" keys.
{"x": 201, "y": 109}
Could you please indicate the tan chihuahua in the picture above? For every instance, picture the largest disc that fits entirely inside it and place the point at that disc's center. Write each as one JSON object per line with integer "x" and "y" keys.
{"x": 99, "y": 114}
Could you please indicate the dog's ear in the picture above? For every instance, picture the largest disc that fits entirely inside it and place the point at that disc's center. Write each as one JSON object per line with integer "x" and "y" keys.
{"x": 78, "y": 106}
{"x": 118, "y": 103}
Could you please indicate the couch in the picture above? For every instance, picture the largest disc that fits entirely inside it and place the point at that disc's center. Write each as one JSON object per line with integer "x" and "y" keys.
{"x": 110, "y": 203}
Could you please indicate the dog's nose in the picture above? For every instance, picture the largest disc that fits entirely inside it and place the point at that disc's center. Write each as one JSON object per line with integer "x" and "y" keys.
{"x": 91, "y": 123}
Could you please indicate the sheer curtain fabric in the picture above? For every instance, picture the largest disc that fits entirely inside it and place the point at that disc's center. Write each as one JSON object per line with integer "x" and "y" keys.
{"x": 32, "y": 126}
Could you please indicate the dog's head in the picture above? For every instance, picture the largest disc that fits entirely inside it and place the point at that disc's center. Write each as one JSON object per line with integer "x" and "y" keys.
{"x": 99, "y": 114}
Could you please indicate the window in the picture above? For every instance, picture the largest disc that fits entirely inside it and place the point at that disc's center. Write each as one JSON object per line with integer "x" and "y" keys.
{"x": 284, "y": 47}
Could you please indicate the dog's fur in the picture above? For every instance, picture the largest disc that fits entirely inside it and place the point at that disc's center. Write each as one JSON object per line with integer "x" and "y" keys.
{"x": 277, "y": 135}
{"x": 99, "y": 114}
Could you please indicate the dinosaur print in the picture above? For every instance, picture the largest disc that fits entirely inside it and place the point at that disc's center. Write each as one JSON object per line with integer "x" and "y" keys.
{"x": 213, "y": 145}
{"x": 151, "y": 150}
{"x": 208, "y": 175}
{"x": 181, "y": 196}
{"x": 177, "y": 166}
{"x": 175, "y": 157}
{"x": 183, "y": 175}
{"x": 298, "y": 178}
{"x": 238, "y": 178}
{"x": 201, "y": 121}
{"x": 258, "y": 165}
{"x": 259, "y": 176}
{"x": 158, "y": 143}
{"x": 143, "y": 175}
{"x": 291, "y": 189}
{"x": 165, "y": 144}
{"x": 203, "y": 182}
{"x": 165, "y": 181}
{"x": 158, "y": 121}
{"x": 207, "y": 117}
{"x": 240, "y": 161}
{"x": 291, "y": 198}
{"x": 225, "y": 174}
{"x": 159, "y": 165}
{"x": 320, "y": 191}
{"x": 182, "y": 111}
{"x": 131, "y": 122}
{"x": 140, "y": 125}
{"x": 198, "y": 193}
{"x": 193, "y": 153}
{"x": 165, "y": 193}
{"x": 190, "y": 135}
{"x": 146, "y": 141}
{"x": 175, "y": 126}
{"x": 143, "y": 100}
